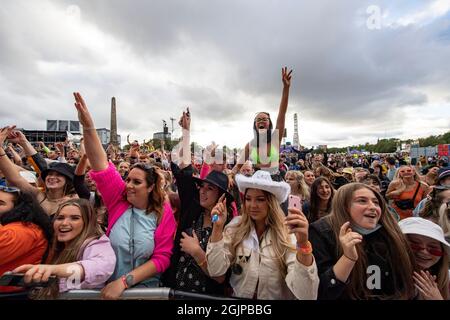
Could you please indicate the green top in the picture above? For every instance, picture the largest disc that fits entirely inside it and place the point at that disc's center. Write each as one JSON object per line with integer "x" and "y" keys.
{"x": 273, "y": 157}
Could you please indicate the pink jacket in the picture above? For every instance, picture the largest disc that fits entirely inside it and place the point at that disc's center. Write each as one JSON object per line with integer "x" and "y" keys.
{"x": 112, "y": 188}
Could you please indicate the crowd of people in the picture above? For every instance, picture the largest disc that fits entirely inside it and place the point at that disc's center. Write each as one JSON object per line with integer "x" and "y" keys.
{"x": 268, "y": 225}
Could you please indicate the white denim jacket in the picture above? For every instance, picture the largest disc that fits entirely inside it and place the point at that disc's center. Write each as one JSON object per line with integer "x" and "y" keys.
{"x": 260, "y": 270}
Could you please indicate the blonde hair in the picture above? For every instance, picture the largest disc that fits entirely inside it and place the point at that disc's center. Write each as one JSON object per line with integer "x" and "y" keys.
{"x": 274, "y": 224}
{"x": 301, "y": 184}
{"x": 416, "y": 174}
{"x": 402, "y": 258}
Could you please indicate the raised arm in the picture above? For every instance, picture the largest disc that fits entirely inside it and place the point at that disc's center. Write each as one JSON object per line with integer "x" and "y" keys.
{"x": 17, "y": 159}
{"x": 80, "y": 171}
{"x": 185, "y": 123}
{"x": 11, "y": 173}
{"x": 94, "y": 149}
{"x": 286, "y": 78}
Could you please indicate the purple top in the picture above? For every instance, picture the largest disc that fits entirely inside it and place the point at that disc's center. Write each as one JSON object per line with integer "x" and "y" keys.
{"x": 98, "y": 261}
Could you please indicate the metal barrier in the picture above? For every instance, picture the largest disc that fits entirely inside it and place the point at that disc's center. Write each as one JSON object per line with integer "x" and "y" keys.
{"x": 141, "y": 294}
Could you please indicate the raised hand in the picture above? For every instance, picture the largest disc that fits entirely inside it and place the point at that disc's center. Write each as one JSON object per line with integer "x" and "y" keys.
{"x": 349, "y": 240}
{"x": 16, "y": 136}
{"x": 185, "y": 120}
{"x": 220, "y": 209}
{"x": 286, "y": 76}
{"x": 83, "y": 113}
{"x": 60, "y": 147}
{"x": 5, "y": 133}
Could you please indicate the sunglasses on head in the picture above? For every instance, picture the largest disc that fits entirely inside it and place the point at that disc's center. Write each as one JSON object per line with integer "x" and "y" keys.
{"x": 9, "y": 189}
{"x": 432, "y": 251}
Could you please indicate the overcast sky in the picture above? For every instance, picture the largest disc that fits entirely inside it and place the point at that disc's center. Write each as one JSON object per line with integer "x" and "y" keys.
{"x": 356, "y": 78}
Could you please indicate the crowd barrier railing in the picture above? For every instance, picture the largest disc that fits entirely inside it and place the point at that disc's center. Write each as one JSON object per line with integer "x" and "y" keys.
{"x": 141, "y": 294}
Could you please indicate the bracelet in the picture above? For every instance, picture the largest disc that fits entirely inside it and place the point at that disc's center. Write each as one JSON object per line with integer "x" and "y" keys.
{"x": 352, "y": 260}
{"x": 89, "y": 128}
{"x": 124, "y": 281}
{"x": 305, "y": 249}
{"x": 202, "y": 263}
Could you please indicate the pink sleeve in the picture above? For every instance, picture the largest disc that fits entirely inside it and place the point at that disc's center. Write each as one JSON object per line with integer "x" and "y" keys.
{"x": 206, "y": 168}
{"x": 164, "y": 237}
{"x": 112, "y": 188}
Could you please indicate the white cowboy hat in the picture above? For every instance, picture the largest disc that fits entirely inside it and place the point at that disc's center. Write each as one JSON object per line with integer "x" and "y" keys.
{"x": 262, "y": 180}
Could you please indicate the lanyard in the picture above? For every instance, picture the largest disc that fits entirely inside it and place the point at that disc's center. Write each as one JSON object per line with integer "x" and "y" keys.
{"x": 131, "y": 243}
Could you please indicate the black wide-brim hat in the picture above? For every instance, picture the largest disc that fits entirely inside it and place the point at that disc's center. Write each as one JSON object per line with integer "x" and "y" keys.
{"x": 65, "y": 169}
{"x": 219, "y": 179}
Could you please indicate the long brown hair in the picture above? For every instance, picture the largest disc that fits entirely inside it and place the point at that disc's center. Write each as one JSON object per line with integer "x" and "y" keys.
{"x": 275, "y": 225}
{"x": 402, "y": 258}
{"x": 72, "y": 252}
{"x": 431, "y": 208}
{"x": 157, "y": 196}
{"x": 315, "y": 200}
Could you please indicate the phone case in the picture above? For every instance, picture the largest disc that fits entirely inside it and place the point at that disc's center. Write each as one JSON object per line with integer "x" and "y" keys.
{"x": 294, "y": 202}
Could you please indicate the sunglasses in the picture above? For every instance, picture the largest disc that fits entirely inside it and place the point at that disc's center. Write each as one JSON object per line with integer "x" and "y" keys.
{"x": 9, "y": 189}
{"x": 433, "y": 252}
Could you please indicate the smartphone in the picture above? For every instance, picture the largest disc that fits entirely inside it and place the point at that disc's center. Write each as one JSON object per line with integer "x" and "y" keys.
{"x": 295, "y": 202}
{"x": 189, "y": 231}
{"x": 16, "y": 280}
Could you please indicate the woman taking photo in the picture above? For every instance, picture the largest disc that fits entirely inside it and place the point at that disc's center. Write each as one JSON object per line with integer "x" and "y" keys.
{"x": 141, "y": 226}
{"x": 82, "y": 255}
{"x": 269, "y": 254}
{"x": 430, "y": 249}
{"x": 360, "y": 251}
